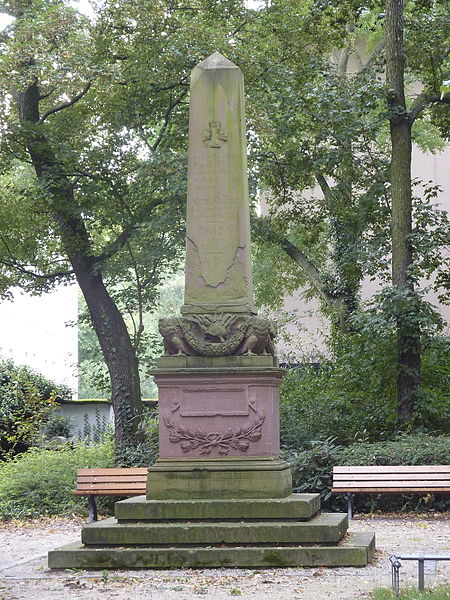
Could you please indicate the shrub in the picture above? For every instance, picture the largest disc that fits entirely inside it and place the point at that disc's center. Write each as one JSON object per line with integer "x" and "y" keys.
{"x": 352, "y": 395}
{"x": 333, "y": 400}
{"x": 312, "y": 469}
{"x": 57, "y": 425}
{"x": 39, "y": 482}
{"x": 145, "y": 453}
{"x": 432, "y": 406}
{"x": 26, "y": 400}
{"x": 418, "y": 449}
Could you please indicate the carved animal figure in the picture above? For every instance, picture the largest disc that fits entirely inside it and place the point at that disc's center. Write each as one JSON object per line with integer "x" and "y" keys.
{"x": 259, "y": 338}
{"x": 173, "y": 337}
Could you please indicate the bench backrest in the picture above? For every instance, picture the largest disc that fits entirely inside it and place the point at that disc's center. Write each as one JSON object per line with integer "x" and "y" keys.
{"x": 118, "y": 481}
{"x": 414, "y": 478}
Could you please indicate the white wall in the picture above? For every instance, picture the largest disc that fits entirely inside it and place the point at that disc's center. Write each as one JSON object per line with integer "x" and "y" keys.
{"x": 35, "y": 332}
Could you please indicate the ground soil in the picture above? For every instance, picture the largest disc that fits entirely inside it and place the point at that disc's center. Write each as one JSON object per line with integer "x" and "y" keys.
{"x": 24, "y": 574}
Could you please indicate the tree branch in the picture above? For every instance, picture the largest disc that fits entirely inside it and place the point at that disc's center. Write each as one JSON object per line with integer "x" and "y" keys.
{"x": 139, "y": 329}
{"x": 43, "y": 96}
{"x": 123, "y": 238}
{"x": 120, "y": 241}
{"x": 307, "y": 266}
{"x": 172, "y": 86}
{"x": 422, "y": 101}
{"x": 64, "y": 105}
{"x": 343, "y": 61}
{"x": 17, "y": 266}
{"x": 22, "y": 269}
{"x": 324, "y": 186}
{"x": 374, "y": 55}
{"x": 167, "y": 114}
{"x": 239, "y": 28}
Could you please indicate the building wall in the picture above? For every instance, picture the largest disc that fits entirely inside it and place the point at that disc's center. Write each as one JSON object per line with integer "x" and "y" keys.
{"x": 308, "y": 330}
{"x": 42, "y": 332}
{"x": 88, "y": 418}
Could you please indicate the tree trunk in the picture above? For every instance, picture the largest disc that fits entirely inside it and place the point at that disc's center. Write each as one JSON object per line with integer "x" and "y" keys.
{"x": 108, "y": 323}
{"x": 408, "y": 340}
{"x": 117, "y": 350}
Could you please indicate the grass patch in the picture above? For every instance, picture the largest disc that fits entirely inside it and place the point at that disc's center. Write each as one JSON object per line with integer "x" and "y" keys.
{"x": 437, "y": 593}
{"x": 39, "y": 482}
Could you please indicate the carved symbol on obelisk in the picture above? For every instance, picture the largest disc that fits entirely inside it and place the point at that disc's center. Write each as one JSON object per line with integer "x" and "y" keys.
{"x": 214, "y": 135}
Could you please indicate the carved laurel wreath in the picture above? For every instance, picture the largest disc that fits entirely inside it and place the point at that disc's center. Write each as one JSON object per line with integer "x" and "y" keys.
{"x": 238, "y": 438}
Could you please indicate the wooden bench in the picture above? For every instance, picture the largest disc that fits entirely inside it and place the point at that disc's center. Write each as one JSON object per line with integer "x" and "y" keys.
{"x": 415, "y": 479}
{"x": 109, "y": 482}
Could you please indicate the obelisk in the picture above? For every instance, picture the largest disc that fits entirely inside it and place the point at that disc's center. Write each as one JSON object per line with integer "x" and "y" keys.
{"x": 218, "y": 383}
{"x": 218, "y": 258}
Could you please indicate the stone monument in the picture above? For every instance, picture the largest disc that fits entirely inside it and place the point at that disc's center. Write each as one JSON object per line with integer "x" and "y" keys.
{"x": 219, "y": 494}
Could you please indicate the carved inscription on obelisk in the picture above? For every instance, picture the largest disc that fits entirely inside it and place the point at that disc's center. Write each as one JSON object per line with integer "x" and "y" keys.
{"x": 218, "y": 263}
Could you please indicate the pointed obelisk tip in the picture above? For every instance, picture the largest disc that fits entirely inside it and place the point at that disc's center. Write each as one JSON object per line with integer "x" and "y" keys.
{"x": 216, "y": 61}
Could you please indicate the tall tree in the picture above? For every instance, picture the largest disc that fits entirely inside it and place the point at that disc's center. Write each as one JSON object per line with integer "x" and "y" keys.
{"x": 408, "y": 340}
{"x": 401, "y": 120}
{"x": 322, "y": 125}
{"x": 93, "y": 158}
{"x": 317, "y": 117}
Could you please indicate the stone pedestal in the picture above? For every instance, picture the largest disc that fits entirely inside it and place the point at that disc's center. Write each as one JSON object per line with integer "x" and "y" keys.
{"x": 219, "y": 432}
{"x": 281, "y": 532}
{"x": 224, "y": 478}
{"x": 219, "y": 495}
{"x": 218, "y": 413}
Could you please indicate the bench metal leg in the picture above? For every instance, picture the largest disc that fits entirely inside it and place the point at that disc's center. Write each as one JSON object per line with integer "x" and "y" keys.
{"x": 92, "y": 508}
{"x": 350, "y": 506}
{"x": 421, "y": 573}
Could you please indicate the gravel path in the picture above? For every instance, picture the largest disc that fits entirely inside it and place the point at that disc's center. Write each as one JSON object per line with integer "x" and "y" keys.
{"x": 24, "y": 574}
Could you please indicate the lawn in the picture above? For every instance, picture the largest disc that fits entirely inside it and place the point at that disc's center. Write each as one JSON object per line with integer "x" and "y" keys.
{"x": 438, "y": 593}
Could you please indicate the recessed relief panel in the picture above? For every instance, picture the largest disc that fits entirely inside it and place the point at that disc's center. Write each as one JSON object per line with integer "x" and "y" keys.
{"x": 214, "y": 402}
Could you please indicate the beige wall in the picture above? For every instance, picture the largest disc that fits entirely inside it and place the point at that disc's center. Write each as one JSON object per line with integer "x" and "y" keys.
{"x": 308, "y": 329}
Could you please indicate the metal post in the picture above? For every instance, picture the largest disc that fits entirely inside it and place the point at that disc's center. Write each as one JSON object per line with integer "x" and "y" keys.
{"x": 421, "y": 558}
{"x": 421, "y": 563}
{"x": 92, "y": 508}
{"x": 395, "y": 574}
{"x": 350, "y": 506}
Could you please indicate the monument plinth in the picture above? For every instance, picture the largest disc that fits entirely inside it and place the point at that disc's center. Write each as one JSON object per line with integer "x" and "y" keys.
{"x": 219, "y": 494}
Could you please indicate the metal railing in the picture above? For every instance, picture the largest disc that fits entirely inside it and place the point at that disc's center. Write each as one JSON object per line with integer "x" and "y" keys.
{"x": 421, "y": 558}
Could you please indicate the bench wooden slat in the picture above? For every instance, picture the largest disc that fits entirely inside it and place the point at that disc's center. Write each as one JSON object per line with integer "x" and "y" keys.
{"x": 114, "y": 471}
{"x": 112, "y": 486}
{"x": 391, "y": 476}
{"x": 392, "y": 490}
{"x": 393, "y": 469}
{"x": 108, "y": 479}
{"x": 123, "y": 492}
{"x": 392, "y": 479}
{"x": 131, "y": 481}
{"x": 392, "y": 483}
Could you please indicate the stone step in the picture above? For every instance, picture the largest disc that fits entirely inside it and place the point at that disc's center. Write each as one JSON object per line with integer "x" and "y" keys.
{"x": 325, "y": 528}
{"x": 354, "y": 551}
{"x": 295, "y": 506}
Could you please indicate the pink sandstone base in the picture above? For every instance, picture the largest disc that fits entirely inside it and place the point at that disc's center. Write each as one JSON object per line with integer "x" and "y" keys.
{"x": 219, "y": 415}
